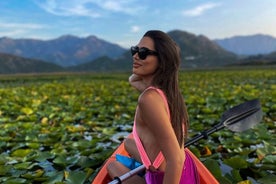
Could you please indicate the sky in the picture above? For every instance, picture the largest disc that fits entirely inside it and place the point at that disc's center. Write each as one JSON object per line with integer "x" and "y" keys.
{"x": 124, "y": 22}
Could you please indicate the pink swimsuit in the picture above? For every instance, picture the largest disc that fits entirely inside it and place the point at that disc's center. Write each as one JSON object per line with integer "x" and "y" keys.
{"x": 189, "y": 173}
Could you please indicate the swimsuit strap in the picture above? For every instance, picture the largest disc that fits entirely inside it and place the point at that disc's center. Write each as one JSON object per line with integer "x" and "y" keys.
{"x": 144, "y": 157}
{"x": 158, "y": 160}
{"x": 161, "y": 93}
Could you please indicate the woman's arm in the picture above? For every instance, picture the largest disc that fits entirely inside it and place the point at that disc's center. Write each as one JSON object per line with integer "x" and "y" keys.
{"x": 137, "y": 82}
{"x": 154, "y": 114}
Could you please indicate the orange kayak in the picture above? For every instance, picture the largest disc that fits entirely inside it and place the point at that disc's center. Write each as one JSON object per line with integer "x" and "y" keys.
{"x": 204, "y": 174}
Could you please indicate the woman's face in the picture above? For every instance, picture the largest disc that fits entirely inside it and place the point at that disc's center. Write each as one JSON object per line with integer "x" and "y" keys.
{"x": 145, "y": 67}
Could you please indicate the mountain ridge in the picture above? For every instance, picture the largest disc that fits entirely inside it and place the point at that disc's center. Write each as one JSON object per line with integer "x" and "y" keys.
{"x": 249, "y": 44}
{"x": 66, "y": 50}
{"x": 10, "y": 64}
{"x": 197, "y": 51}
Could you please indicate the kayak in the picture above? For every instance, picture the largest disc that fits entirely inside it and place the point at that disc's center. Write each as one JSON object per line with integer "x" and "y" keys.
{"x": 103, "y": 178}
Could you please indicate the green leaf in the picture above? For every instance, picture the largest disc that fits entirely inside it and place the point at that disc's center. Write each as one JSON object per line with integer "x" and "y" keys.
{"x": 236, "y": 175}
{"x": 270, "y": 159}
{"x": 266, "y": 167}
{"x": 54, "y": 177}
{"x": 23, "y": 165}
{"x": 15, "y": 181}
{"x": 21, "y": 152}
{"x": 63, "y": 160}
{"x": 5, "y": 169}
{"x": 27, "y": 110}
{"x": 266, "y": 150}
{"x": 31, "y": 175}
{"x": 213, "y": 167}
{"x": 76, "y": 177}
{"x": 269, "y": 179}
{"x": 3, "y": 159}
{"x": 85, "y": 162}
{"x": 236, "y": 162}
{"x": 43, "y": 156}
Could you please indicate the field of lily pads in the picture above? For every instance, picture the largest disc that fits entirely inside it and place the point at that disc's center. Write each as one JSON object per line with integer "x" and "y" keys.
{"x": 60, "y": 128}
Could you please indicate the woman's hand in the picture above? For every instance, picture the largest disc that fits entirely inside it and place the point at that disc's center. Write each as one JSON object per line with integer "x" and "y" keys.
{"x": 137, "y": 82}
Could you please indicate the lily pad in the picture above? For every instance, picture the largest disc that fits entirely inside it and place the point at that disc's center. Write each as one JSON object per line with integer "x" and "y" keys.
{"x": 75, "y": 177}
{"x": 64, "y": 124}
{"x": 236, "y": 162}
{"x": 21, "y": 152}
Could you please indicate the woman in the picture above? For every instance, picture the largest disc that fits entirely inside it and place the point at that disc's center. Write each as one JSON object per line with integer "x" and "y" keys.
{"x": 161, "y": 119}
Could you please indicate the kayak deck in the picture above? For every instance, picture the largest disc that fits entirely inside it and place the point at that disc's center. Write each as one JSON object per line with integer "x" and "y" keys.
{"x": 103, "y": 178}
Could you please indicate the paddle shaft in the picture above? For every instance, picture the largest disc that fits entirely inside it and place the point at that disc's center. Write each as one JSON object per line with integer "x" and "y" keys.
{"x": 127, "y": 175}
{"x": 229, "y": 121}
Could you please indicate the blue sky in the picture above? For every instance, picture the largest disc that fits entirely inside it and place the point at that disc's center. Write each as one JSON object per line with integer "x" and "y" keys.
{"x": 125, "y": 21}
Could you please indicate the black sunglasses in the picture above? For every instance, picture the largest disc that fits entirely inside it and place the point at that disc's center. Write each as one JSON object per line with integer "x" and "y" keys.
{"x": 142, "y": 52}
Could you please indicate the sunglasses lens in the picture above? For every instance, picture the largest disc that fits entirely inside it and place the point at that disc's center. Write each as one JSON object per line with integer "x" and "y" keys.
{"x": 134, "y": 50}
{"x": 142, "y": 54}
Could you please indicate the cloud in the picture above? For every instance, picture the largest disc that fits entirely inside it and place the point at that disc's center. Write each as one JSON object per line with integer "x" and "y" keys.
{"x": 201, "y": 9}
{"x": 135, "y": 29}
{"x": 12, "y": 33}
{"x": 65, "y": 8}
{"x": 6, "y": 25}
{"x": 87, "y": 8}
{"x": 18, "y": 29}
{"x": 118, "y": 6}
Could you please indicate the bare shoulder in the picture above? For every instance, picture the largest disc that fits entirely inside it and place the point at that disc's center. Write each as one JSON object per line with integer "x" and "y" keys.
{"x": 150, "y": 97}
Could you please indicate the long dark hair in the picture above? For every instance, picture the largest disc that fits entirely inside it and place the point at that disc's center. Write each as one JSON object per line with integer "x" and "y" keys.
{"x": 166, "y": 78}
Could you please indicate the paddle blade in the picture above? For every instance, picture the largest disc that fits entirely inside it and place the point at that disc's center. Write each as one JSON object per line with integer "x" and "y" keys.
{"x": 243, "y": 116}
{"x": 246, "y": 123}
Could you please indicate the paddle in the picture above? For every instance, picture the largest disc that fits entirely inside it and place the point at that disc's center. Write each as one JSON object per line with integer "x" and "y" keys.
{"x": 236, "y": 119}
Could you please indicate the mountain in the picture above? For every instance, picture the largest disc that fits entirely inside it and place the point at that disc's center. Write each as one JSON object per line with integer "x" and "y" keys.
{"x": 272, "y": 56}
{"x": 106, "y": 64}
{"x": 249, "y": 45}
{"x": 199, "y": 51}
{"x": 66, "y": 50}
{"x": 260, "y": 59}
{"x": 10, "y": 64}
